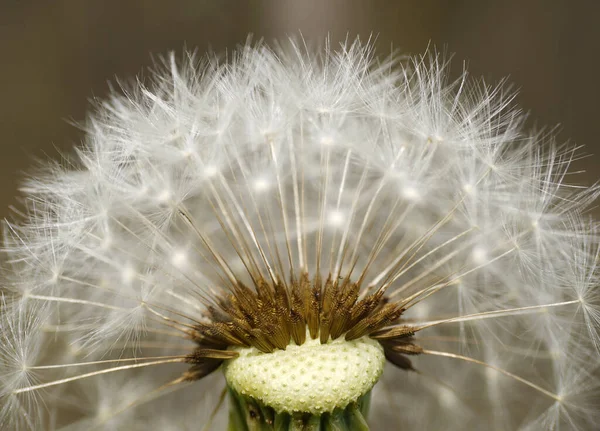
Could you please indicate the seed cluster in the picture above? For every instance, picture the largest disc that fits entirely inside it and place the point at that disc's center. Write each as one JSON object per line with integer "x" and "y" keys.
{"x": 272, "y": 315}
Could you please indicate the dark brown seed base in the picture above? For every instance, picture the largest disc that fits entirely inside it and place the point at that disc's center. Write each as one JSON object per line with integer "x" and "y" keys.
{"x": 271, "y": 315}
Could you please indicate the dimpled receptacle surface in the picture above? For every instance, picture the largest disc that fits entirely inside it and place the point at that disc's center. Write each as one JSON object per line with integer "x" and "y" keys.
{"x": 312, "y": 378}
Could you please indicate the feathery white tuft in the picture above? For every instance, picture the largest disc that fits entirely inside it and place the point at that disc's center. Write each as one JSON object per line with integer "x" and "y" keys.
{"x": 282, "y": 162}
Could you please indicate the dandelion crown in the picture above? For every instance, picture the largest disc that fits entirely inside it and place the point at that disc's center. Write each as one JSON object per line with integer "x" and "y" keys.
{"x": 300, "y": 240}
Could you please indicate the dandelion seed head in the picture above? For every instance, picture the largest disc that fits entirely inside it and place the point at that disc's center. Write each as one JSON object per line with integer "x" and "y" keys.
{"x": 238, "y": 225}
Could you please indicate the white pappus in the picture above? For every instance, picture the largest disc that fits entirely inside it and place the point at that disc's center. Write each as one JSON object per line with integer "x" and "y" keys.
{"x": 218, "y": 181}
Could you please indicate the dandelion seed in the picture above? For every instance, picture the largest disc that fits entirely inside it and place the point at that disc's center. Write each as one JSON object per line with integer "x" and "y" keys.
{"x": 324, "y": 240}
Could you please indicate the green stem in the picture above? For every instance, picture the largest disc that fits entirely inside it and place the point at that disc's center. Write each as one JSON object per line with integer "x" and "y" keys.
{"x": 247, "y": 414}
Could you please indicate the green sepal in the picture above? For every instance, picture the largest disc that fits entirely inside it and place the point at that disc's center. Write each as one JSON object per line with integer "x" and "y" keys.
{"x": 247, "y": 414}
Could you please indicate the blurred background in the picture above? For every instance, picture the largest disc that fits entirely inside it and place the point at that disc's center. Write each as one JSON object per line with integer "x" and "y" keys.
{"x": 56, "y": 55}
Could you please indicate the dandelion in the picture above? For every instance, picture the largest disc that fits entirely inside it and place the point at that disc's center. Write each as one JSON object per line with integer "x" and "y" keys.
{"x": 299, "y": 240}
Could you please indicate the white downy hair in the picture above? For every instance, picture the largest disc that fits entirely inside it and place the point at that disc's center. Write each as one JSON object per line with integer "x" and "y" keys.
{"x": 279, "y": 162}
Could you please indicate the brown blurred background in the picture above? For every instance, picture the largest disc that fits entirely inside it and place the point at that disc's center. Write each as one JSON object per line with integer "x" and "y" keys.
{"x": 55, "y": 55}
